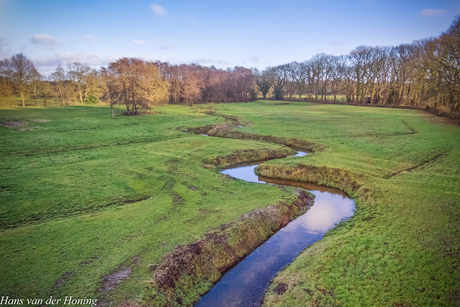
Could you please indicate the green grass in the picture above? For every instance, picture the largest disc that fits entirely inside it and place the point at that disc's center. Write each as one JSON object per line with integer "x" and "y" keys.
{"x": 84, "y": 194}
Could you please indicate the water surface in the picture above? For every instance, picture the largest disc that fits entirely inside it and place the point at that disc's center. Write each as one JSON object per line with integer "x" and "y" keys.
{"x": 246, "y": 283}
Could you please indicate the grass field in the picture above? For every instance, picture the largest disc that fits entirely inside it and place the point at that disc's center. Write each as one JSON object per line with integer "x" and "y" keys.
{"x": 83, "y": 195}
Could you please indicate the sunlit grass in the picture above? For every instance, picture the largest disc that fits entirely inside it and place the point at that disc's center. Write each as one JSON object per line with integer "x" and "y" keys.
{"x": 83, "y": 194}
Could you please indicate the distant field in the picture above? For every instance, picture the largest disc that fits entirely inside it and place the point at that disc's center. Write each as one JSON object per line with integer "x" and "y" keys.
{"x": 82, "y": 195}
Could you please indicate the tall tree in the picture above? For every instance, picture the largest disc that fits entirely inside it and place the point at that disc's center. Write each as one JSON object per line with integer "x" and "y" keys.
{"x": 58, "y": 78}
{"x": 301, "y": 76}
{"x": 35, "y": 82}
{"x": 78, "y": 73}
{"x": 279, "y": 75}
{"x": 20, "y": 70}
{"x": 263, "y": 81}
{"x": 5, "y": 84}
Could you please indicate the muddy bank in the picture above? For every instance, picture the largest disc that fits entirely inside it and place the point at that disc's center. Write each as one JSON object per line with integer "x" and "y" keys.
{"x": 248, "y": 155}
{"x": 226, "y": 131}
{"x": 189, "y": 271}
{"x": 327, "y": 176}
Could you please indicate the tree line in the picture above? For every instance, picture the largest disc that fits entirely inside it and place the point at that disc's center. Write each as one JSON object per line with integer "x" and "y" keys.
{"x": 132, "y": 82}
{"x": 425, "y": 73}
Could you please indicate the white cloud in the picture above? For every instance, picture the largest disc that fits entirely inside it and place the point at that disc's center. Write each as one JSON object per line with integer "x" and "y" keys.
{"x": 158, "y": 9}
{"x": 254, "y": 59}
{"x": 47, "y": 64}
{"x": 432, "y": 12}
{"x": 44, "y": 40}
{"x": 138, "y": 42}
{"x": 90, "y": 38}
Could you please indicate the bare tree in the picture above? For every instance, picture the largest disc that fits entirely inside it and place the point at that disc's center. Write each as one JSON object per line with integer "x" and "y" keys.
{"x": 317, "y": 65}
{"x": 361, "y": 58}
{"x": 263, "y": 81}
{"x": 279, "y": 75}
{"x": 35, "y": 81}
{"x": 109, "y": 87}
{"x": 20, "y": 71}
{"x": 300, "y": 77}
{"x": 339, "y": 65}
{"x": 291, "y": 77}
{"x": 58, "y": 78}
{"x": 6, "y": 88}
{"x": 78, "y": 73}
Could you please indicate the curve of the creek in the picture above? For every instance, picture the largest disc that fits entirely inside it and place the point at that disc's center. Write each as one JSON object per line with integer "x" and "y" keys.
{"x": 246, "y": 283}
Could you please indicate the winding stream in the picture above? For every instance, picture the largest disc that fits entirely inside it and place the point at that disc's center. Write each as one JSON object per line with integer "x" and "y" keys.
{"x": 246, "y": 283}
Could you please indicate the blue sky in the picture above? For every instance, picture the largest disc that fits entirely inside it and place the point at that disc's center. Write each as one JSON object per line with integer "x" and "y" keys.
{"x": 250, "y": 33}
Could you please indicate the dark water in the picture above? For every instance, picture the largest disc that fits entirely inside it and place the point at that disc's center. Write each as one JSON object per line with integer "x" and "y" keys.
{"x": 246, "y": 283}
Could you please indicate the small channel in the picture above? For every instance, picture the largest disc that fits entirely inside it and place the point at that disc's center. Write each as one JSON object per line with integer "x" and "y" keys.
{"x": 246, "y": 283}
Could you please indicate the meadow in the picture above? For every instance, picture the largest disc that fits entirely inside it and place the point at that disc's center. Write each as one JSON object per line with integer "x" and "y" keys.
{"x": 83, "y": 195}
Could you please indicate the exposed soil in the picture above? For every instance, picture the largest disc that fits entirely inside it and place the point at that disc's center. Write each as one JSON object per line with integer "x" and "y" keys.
{"x": 62, "y": 280}
{"x": 280, "y": 288}
{"x": 114, "y": 278}
{"x": 40, "y": 120}
{"x": 13, "y": 124}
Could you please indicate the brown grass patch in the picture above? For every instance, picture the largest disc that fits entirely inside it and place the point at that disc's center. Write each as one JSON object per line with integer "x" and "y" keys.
{"x": 13, "y": 124}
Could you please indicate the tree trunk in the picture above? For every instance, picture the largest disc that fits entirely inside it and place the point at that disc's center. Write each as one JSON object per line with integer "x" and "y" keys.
{"x": 372, "y": 93}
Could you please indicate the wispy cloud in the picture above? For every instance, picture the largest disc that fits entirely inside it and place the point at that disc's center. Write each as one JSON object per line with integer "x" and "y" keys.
{"x": 66, "y": 58}
{"x": 210, "y": 61}
{"x": 158, "y": 9}
{"x": 138, "y": 42}
{"x": 44, "y": 40}
{"x": 432, "y": 12}
{"x": 255, "y": 59}
{"x": 90, "y": 38}
{"x": 166, "y": 46}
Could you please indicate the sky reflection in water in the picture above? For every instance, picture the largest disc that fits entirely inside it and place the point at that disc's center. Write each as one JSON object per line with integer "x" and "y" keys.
{"x": 246, "y": 283}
